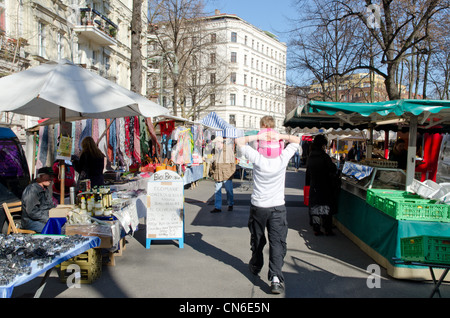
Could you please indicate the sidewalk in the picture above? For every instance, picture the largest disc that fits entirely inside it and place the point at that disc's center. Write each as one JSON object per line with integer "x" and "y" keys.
{"x": 214, "y": 260}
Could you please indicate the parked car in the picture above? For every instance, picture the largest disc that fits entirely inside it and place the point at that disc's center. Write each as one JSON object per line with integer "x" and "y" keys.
{"x": 14, "y": 172}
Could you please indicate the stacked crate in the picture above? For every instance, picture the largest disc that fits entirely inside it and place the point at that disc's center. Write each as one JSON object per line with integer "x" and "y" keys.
{"x": 402, "y": 205}
{"x": 429, "y": 249}
{"x": 89, "y": 265}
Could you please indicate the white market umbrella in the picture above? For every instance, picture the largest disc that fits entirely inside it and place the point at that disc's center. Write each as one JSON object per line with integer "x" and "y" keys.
{"x": 62, "y": 90}
{"x": 42, "y": 90}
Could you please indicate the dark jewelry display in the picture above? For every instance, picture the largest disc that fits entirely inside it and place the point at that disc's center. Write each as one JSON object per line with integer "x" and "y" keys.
{"x": 18, "y": 251}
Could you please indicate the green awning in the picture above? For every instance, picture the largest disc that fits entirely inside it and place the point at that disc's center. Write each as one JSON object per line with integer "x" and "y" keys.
{"x": 321, "y": 114}
{"x": 398, "y": 107}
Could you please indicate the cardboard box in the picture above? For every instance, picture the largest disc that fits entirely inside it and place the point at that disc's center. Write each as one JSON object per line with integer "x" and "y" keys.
{"x": 106, "y": 233}
{"x": 60, "y": 211}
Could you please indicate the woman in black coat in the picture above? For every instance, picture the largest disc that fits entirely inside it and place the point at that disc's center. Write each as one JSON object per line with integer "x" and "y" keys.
{"x": 91, "y": 163}
{"x": 322, "y": 177}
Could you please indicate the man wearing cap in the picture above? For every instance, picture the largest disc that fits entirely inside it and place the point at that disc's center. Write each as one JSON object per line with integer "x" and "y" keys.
{"x": 37, "y": 201}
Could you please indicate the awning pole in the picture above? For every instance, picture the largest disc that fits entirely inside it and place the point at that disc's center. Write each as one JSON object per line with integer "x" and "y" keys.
{"x": 411, "y": 161}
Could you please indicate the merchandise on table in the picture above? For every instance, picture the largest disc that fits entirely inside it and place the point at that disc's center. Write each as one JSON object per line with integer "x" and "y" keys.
{"x": 18, "y": 251}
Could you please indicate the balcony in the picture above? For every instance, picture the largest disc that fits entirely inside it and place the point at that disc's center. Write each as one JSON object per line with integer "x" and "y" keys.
{"x": 97, "y": 28}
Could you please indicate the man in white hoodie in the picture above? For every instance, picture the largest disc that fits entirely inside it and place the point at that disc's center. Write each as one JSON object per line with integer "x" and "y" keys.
{"x": 267, "y": 202}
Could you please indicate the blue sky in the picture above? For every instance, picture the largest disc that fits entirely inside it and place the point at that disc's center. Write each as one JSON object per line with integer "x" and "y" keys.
{"x": 268, "y": 15}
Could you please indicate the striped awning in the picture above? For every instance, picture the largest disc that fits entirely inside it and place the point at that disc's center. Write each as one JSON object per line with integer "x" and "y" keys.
{"x": 225, "y": 129}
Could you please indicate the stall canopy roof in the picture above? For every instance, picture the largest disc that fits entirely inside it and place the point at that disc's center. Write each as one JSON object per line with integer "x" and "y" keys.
{"x": 430, "y": 113}
{"x": 45, "y": 89}
{"x": 224, "y": 129}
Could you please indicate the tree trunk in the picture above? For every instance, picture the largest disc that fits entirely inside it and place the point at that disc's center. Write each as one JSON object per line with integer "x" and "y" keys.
{"x": 136, "y": 61}
{"x": 391, "y": 85}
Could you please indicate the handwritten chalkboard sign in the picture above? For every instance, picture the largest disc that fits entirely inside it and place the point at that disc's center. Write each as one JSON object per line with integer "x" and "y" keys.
{"x": 165, "y": 207}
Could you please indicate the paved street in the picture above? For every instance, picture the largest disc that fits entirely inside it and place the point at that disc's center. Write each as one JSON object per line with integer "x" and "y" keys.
{"x": 214, "y": 260}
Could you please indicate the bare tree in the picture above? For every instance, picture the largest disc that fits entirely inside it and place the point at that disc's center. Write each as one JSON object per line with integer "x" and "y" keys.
{"x": 398, "y": 27}
{"x": 326, "y": 46}
{"x": 187, "y": 55}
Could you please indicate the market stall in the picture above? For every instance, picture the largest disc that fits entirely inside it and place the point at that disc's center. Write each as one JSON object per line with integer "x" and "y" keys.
{"x": 77, "y": 103}
{"x": 376, "y": 231}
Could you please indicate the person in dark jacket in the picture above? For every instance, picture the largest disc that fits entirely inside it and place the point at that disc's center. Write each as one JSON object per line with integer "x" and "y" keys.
{"x": 399, "y": 153}
{"x": 91, "y": 163}
{"x": 37, "y": 201}
{"x": 321, "y": 176}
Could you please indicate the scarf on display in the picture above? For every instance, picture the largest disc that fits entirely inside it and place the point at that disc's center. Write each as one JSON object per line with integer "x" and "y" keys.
{"x": 136, "y": 141}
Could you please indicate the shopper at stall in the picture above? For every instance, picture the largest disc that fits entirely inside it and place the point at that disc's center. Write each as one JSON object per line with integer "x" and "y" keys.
{"x": 91, "y": 163}
{"x": 222, "y": 170}
{"x": 267, "y": 208}
{"x": 399, "y": 153}
{"x": 321, "y": 176}
{"x": 37, "y": 201}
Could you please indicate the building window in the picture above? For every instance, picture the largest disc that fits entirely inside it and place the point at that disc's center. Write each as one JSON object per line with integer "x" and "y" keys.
{"x": 2, "y": 16}
{"x": 233, "y": 37}
{"x": 232, "y": 119}
{"x": 41, "y": 39}
{"x": 212, "y": 99}
{"x": 212, "y": 58}
{"x": 245, "y": 101}
{"x": 213, "y": 38}
{"x": 212, "y": 78}
{"x": 232, "y": 99}
{"x": 233, "y": 57}
{"x": 59, "y": 46}
{"x": 233, "y": 78}
{"x": 245, "y": 40}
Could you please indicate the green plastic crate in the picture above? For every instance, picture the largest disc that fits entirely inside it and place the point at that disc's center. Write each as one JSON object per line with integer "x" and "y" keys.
{"x": 416, "y": 210}
{"x": 431, "y": 249}
{"x": 377, "y": 197}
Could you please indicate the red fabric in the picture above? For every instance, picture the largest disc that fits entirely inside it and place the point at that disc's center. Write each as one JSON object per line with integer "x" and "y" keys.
{"x": 306, "y": 195}
{"x": 167, "y": 127}
{"x": 137, "y": 140}
{"x": 431, "y": 148}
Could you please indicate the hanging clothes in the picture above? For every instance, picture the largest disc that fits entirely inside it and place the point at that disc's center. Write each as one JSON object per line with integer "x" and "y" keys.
{"x": 95, "y": 131}
{"x": 43, "y": 147}
{"x": 113, "y": 141}
{"x": 102, "y": 143}
{"x": 136, "y": 141}
{"x": 157, "y": 149}
{"x": 167, "y": 127}
{"x": 182, "y": 151}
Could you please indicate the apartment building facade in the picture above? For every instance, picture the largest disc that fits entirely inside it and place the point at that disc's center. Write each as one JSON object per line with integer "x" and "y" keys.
{"x": 245, "y": 68}
{"x": 94, "y": 34}
{"x": 354, "y": 88}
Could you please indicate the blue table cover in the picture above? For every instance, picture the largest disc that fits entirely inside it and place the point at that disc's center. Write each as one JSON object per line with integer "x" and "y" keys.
{"x": 6, "y": 291}
{"x": 54, "y": 226}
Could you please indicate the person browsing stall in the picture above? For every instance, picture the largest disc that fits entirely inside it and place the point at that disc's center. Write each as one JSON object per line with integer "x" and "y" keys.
{"x": 222, "y": 169}
{"x": 37, "y": 200}
{"x": 321, "y": 175}
{"x": 91, "y": 163}
{"x": 267, "y": 208}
